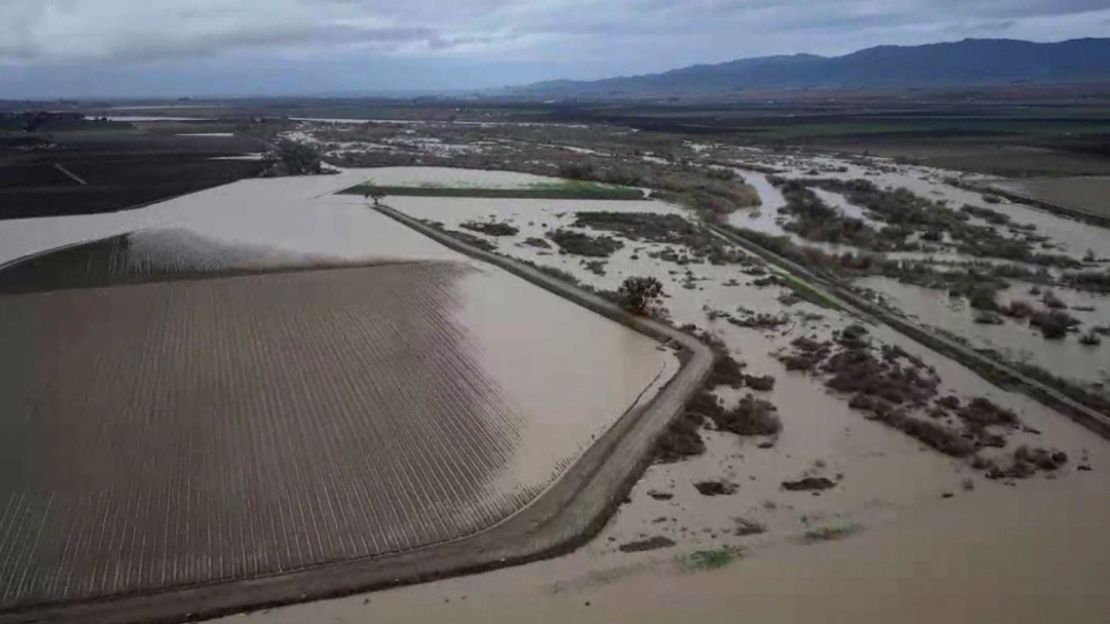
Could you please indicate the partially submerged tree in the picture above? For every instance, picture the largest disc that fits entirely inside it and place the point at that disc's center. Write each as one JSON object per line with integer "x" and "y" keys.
{"x": 293, "y": 158}
{"x": 374, "y": 194}
{"x": 636, "y": 294}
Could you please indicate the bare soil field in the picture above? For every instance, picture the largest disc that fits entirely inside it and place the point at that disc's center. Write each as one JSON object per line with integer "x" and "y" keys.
{"x": 116, "y": 166}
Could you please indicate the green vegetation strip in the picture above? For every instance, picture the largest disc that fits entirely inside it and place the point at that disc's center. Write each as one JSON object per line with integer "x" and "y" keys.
{"x": 545, "y": 191}
{"x": 707, "y": 559}
{"x": 809, "y": 293}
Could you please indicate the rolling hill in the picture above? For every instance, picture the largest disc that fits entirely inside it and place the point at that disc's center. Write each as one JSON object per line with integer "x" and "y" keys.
{"x": 963, "y": 63}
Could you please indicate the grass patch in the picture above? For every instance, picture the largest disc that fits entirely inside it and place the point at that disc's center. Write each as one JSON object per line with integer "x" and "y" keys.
{"x": 554, "y": 190}
{"x": 700, "y": 560}
{"x": 826, "y": 534}
{"x": 808, "y": 293}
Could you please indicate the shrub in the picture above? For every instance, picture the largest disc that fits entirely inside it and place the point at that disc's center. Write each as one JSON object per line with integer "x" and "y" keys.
{"x": 577, "y": 171}
{"x": 751, "y": 417}
{"x": 585, "y": 245}
{"x": 983, "y": 412}
{"x": 637, "y": 293}
{"x": 1053, "y": 324}
{"x": 1050, "y": 300}
{"x": 762, "y": 384}
{"x": 716, "y": 488}
{"x": 681, "y": 439}
{"x": 296, "y": 158}
{"x": 1017, "y": 309}
{"x": 491, "y": 228}
{"x": 982, "y": 297}
{"x": 726, "y": 371}
{"x": 941, "y": 438}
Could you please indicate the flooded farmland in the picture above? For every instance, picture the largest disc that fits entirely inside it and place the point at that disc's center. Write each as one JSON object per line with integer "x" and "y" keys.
{"x": 886, "y": 490}
{"x": 1085, "y": 194}
{"x": 1054, "y": 267}
{"x": 834, "y": 461}
{"x": 338, "y": 387}
{"x": 1015, "y": 339}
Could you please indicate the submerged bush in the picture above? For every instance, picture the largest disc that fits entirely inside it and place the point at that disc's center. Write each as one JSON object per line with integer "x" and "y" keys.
{"x": 726, "y": 371}
{"x": 681, "y": 439}
{"x": 585, "y": 245}
{"x": 294, "y": 158}
{"x": 636, "y": 294}
{"x": 492, "y": 228}
{"x": 1054, "y": 324}
{"x": 750, "y": 417}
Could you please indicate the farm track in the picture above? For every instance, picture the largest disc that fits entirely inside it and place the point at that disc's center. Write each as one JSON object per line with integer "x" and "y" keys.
{"x": 563, "y": 516}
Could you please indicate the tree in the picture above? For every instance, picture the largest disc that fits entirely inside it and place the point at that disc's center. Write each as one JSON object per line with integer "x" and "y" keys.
{"x": 374, "y": 193}
{"x": 297, "y": 158}
{"x": 637, "y": 293}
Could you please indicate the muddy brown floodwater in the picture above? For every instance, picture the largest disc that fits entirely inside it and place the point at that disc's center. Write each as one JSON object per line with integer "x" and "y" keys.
{"x": 993, "y": 557}
{"x": 904, "y": 524}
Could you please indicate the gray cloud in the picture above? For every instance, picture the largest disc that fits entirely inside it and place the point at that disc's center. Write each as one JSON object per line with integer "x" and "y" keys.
{"x": 538, "y": 38}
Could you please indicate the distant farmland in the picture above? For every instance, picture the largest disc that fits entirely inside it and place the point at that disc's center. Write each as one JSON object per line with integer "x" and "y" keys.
{"x": 196, "y": 431}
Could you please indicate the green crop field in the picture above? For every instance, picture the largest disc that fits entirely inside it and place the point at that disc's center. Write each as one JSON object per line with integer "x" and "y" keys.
{"x": 569, "y": 189}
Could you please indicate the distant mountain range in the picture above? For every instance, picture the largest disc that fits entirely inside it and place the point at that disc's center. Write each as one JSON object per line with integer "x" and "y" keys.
{"x": 963, "y": 63}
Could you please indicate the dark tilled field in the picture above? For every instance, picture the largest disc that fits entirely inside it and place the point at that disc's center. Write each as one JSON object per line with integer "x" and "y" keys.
{"x": 120, "y": 169}
{"x": 191, "y": 432}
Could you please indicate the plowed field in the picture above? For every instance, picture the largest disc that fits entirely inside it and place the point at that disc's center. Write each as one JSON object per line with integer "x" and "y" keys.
{"x": 167, "y": 434}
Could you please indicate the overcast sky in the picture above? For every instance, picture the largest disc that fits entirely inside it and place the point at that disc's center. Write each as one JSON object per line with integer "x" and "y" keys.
{"x": 53, "y": 48}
